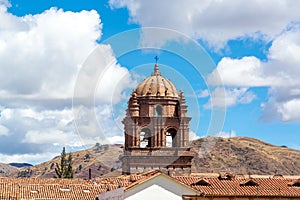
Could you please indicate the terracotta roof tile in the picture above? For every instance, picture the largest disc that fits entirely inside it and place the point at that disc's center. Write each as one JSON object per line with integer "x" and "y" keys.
{"x": 30, "y": 188}
{"x": 242, "y": 186}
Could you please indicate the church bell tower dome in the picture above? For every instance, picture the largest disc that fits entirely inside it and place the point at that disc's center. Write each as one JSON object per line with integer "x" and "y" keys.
{"x": 156, "y": 85}
{"x": 156, "y": 128}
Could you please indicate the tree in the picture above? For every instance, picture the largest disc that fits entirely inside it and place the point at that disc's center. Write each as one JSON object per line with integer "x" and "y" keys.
{"x": 64, "y": 169}
{"x": 69, "y": 173}
{"x": 98, "y": 146}
{"x": 60, "y": 170}
{"x": 87, "y": 157}
{"x": 52, "y": 165}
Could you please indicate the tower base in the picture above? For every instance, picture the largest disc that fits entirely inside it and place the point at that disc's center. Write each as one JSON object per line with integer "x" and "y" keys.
{"x": 172, "y": 161}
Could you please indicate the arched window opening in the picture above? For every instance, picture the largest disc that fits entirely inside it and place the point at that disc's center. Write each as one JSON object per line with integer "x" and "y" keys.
{"x": 158, "y": 110}
{"x": 176, "y": 113}
{"x": 170, "y": 137}
{"x": 169, "y": 140}
{"x": 145, "y": 138}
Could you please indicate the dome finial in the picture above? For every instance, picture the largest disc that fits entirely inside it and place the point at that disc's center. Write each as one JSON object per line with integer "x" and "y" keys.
{"x": 156, "y": 68}
{"x": 156, "y": 59}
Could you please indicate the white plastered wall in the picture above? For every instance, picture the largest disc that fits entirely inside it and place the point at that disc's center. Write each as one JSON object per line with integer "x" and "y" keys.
{"x": 159, "y": 187}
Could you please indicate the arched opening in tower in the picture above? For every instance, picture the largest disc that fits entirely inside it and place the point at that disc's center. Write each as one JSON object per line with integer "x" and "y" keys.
{"x": 145, "y": 138}
{"x": 171, "y": 137}
{"x": 177, "y": 112}
{"x": 159, "y": 111}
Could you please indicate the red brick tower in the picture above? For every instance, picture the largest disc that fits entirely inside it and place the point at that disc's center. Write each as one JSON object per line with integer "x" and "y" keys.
{"x": 156, "y": 128}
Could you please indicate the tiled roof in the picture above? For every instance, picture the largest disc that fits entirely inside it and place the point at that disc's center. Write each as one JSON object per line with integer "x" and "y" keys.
{"x": 34, "y": 188}
{"x": 126, "y": 181}
{"x": 51, "y": 188}
{"x": 238, "y": 186}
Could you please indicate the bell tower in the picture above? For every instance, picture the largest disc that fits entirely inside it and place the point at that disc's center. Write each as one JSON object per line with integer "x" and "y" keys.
{"x": 156, "y": 128}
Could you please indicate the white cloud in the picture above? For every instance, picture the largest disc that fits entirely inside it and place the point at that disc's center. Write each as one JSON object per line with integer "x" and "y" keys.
{"x": 99, "y": 124}
{"x": 282, "y": 104}
{"x": 251, "y": 72}
{"x": 203, "y": 94}
{"x": 45, "y": 50}
{"x": 226, "y": 134}
{"x": 245, "y": 72}
{"x": 226, "y": 97}
{"x": 52, "y": 136}
{"x": 113, "y": 82}
{"x": 213, "y": 20}
{"x": 4, "y": 131}
{"x": 38, "y": 127}
{"x": 290, "y": 110}
{"x": 31, "y": 131}
{"x": 6, "y": 113}
{"x": 101, "y": 78}
{"x": 5, "y": 3}
{"x": 9, "y": 22}
{"x": 29, "y": 158}
{"x": 280, "y": 73}
{"x": 34, "y": 131}
{"x": 40, "y": 58}
{"x": 281, "y": 69}
{"x": 193, "y": 136}
{"x": 116, "y": 140}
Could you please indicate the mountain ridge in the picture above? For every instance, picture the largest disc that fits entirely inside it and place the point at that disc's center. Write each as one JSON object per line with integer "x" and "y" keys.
{"x": 6, "y": 170}
{"x": 20, "y": 165}
{"x": 245, "y": 155}
{"x": 239, "y": 155}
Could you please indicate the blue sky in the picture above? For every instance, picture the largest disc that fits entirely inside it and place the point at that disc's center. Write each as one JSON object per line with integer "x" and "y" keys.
{"x": 238, "y": 64}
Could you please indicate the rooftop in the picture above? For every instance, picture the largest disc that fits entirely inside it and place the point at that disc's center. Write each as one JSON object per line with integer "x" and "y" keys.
{"x": 207, "y": 185}
{"x": 244, "y": 185}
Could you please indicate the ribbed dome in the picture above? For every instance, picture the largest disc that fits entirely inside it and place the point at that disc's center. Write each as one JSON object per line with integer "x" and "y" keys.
{"x": 156, "y": 85}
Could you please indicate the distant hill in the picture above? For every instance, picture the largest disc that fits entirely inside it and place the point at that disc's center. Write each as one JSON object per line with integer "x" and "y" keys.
{"x": 7, "y": 170}
{"x": 243, "y": 155}
{"x": 20, "y": 165}
{"x": 239, "y": 155}
{"x": 102, "y": 160}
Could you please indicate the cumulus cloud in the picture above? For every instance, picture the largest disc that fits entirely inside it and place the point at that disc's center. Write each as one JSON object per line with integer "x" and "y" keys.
{"x": 289, "y": 110}
{"x": 245, "y": 72}
{"x": 5, "y": 3}
{"x": 203, "y": 94}
{"x": 226, "y": 97}
{"x": 116, "y": 140}
{"x": 101, "y": 79}
{"x": 98, "y": 124}
{"x": 3, "y": 130}
{"x": 40, "y": 58}
{"x": 32, "y": 131}
{"x": 193, "y": 136}
{"x": 10, "y": 22}
{"x": 54, "y": 137}
{"x": 217, "y": 22}
{"x": 280, "y": 73}
{"x": 101, "y": 84}
{"x": 45, "y": 54}
{"x": 226, "y": 134}
{"x": 29, "y": 158}
{"x": 213, "y": 21}
{"x": 283, "y": 104}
